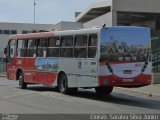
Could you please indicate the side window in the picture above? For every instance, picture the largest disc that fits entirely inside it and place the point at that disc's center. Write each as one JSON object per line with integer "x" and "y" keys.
{"x": 12, "y": 44}
{"x": 81, "y": 45}
{"x": 66, "y": 46}
{"x": 42, "y": 44}
{"x": 92, "y": 46}
{"x": 53, "y": 47}
{"x": 21, "y": 48}
{"x": 31, "y": 47}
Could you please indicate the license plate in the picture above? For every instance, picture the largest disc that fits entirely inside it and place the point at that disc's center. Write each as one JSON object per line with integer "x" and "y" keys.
{"x": 127, "y": 80}
{"x": 127, "y": 72}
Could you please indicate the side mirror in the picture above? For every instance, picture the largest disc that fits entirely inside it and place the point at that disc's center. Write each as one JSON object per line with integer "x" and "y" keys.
{"x": 5, "y": 52}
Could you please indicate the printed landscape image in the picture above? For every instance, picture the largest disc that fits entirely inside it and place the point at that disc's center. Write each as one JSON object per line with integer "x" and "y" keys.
{"x": 121, "y": 52}
{"x": 44, "y": 64}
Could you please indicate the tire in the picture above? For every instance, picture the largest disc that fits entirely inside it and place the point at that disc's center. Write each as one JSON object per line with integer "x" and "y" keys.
{"x": 63, "y": 83}
{"x": 104, "y": 90}
{"x": 22, "y": 84}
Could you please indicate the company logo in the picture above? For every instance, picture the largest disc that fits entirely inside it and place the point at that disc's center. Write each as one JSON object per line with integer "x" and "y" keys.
{"x": 79, "y": 65}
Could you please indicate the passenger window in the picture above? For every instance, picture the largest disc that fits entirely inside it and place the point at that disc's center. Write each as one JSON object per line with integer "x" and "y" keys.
{"x": 92, "y": 46}
{"x": 67, "y": 52}
{"x": 81, "y": 40}
{"x": 92, "y": 52}
{"x": 66, "y": 46}
{"x": 21, "y": 48}
{"x": 67, "y": 41}
{"x": 81, "y": 45}
{"x": 31, "y": 47}
{"x": 80, "y": 52}
{"x": 12, "y": 49}
{"x": 53, "y": 42}
{"x": 53, "y": 52}
{"x": 42, "y": 44}
{"x": 53, "y": 47}
{"x": 93, "y": 40}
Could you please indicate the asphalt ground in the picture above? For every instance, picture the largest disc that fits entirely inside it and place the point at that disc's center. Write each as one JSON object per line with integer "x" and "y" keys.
{"x": 45, "y": 103}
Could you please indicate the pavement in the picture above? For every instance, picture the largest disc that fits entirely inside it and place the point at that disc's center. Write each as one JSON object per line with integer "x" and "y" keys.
{"x": 152, "y": 90}
{"x": 2, "y": 74}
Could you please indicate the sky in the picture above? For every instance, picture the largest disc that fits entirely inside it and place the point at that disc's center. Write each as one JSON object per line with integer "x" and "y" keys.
{"x": 47, "y": 11}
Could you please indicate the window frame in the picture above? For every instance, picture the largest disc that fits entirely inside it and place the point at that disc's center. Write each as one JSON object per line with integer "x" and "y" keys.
{"x": 93, "y": 46}
{"x": 25, "y": 47}
{"x": 54, "y": 38}
{"x": 80, "y": 47}
{"x": 14, "y": 50}
{"x": 67, "y": 46}
{"x": 31, "y": 48}
{"x": 38, "y": 47}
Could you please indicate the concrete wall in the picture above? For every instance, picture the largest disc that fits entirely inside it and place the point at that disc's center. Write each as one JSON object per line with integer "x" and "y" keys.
{"x": 114, "y": 18}
{"x": 23, "y": 26}
{"x": 68, "y": 26}
{"x": 94, "y": 5}
{"x": 3, "y": 42}
{"x": 152, "y": 6}
{"x": 104, "y": 19}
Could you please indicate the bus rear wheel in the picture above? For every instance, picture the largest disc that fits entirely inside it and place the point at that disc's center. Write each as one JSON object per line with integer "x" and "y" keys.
{"x": 63, "y": 83}
{"x": 103, "y": 90}
{"x": 22, "y": 84}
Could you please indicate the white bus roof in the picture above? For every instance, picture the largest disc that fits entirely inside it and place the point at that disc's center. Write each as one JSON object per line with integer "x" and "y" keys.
{"x": 68, "y": 32}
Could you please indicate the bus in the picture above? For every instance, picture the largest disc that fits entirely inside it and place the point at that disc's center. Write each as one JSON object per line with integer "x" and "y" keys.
{"x": 99, "y": 58}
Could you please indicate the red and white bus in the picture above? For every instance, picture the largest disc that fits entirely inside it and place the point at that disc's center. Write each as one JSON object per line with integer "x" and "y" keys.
{"x": 99, "y": 58}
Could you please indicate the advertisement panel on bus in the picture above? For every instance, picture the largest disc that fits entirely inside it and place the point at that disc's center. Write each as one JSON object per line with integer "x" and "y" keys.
{"x": 125, "y": 56}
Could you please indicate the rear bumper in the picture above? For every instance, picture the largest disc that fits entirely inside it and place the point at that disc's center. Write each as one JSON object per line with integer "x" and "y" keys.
{"x": 112, "y": 80}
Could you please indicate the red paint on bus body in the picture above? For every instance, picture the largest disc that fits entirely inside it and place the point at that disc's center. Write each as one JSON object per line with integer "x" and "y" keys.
{"x": 113, "y": 80}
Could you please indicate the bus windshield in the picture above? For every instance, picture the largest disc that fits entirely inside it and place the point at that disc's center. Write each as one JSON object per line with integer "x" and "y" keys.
{"x": 125, "y": 45}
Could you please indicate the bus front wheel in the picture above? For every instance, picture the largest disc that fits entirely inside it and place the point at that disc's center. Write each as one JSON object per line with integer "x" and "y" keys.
{"x": 22, "y": 84}
{"x": 102, "y": 90}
